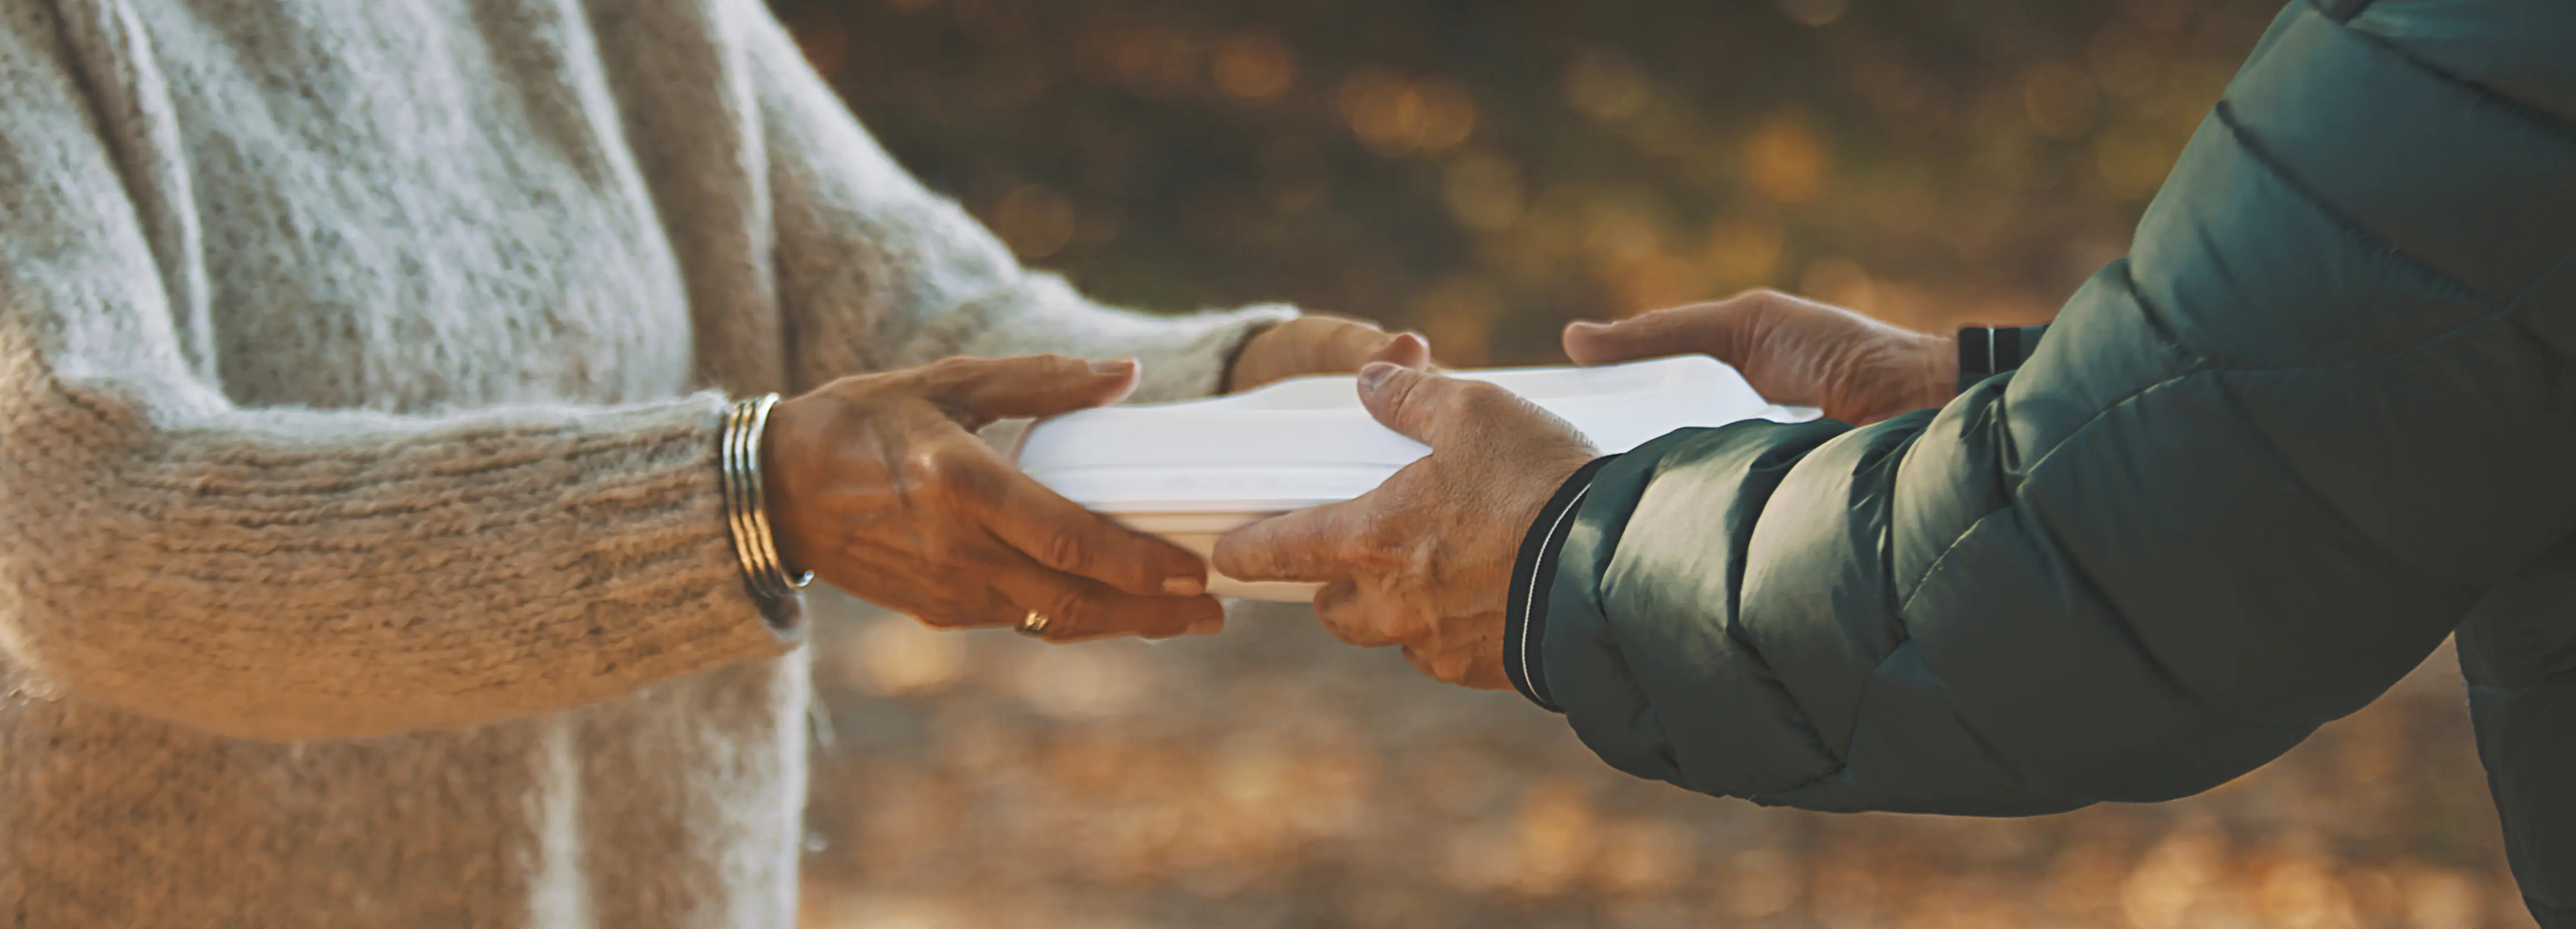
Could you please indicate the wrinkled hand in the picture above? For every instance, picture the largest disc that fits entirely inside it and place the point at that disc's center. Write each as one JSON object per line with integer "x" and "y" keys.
{"x": 878, "y": 484}
{"x": 1794, "y": 351}
{"x": 1425, "y": 560}
{"x": 1319, "y": 344}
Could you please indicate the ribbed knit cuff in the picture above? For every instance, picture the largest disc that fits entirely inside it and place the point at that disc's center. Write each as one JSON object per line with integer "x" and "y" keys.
{"x": 1190, "y": 356}
{"x": 1533, "y": 576}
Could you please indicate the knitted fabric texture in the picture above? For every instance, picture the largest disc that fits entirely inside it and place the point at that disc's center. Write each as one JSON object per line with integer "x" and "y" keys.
{"x": 361, "y": 553}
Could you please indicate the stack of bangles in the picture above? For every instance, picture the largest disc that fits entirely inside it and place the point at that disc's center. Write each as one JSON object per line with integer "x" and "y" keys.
{"x": 747, "y": 506}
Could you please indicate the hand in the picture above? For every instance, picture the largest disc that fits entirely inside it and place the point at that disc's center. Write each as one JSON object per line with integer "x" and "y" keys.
{"x": 1859, "y": 370}
{"x": 878, "y": 484}
{"x": 1318, "y": 344}
{"x": 1425, "y": 560}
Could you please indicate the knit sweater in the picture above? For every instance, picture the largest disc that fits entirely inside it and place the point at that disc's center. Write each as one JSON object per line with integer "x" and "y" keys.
{"x": 361, "y": 553}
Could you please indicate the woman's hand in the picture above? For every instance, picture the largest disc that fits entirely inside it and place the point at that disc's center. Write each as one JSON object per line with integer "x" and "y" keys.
{"x": 878, "y": 484}
{"x": 1318, "y": 344}
{"x": 1425, "y": 560}
{"x": 1859, "y": 370}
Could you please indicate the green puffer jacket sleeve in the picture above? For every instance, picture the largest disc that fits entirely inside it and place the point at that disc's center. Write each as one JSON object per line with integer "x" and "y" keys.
{"x": 2256, "y": 472}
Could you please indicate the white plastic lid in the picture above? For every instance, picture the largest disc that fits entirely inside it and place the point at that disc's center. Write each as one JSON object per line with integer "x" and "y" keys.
{"x": 1182, "y": 470}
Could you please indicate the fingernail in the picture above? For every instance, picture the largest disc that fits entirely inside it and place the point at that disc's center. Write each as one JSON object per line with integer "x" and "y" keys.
{"x": 1587, "y": 325}
{"x": 1183, "y": 585}
{"x": 1374, "y": 374}
{"x": 1209, "y": 626}
{"x": 1116, "y": 366}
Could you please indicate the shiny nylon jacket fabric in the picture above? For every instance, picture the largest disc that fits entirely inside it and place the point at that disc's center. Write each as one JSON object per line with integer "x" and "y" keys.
{"x": 2322, "y": 415}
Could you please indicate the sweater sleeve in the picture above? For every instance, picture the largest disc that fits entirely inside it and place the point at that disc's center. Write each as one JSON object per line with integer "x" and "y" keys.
{"x": 290, "y": 574}
{"x": 2256, "y": 472}
{"x": 877, "y": 272}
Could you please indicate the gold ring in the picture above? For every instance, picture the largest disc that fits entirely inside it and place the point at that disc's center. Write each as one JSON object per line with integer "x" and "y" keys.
{"x": 1033, "y": 624}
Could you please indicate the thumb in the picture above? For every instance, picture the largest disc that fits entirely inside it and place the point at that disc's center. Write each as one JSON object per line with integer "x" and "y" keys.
{"x": 1404, "y": 348}
{"x": 1303, "y": 546}
{"x": 1424, "y": 406}
{"x": 986, "y": 389}
{"x": 1719, "y": 330}
{"x": 1335, "y": 344}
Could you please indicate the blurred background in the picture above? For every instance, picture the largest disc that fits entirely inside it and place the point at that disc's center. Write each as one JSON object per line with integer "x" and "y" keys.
{"x": 1483, "y": 171}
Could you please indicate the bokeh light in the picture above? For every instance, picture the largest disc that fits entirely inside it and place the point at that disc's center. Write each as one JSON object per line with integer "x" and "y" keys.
{"x": 1484, "y": 173}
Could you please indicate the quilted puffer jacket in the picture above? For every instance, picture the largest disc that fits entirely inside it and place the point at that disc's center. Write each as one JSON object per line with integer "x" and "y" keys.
{"x": 2321, "y": 416}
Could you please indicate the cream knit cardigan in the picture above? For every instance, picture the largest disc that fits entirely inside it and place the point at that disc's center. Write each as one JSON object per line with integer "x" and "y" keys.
{"x": 360, "y": 365}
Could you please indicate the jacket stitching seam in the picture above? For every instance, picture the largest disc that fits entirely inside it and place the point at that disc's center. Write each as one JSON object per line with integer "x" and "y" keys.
{"x": 2128, "y": 632}
{"x": 2317, "y": 496}
{"x": 2200, "y": 364}
{"x": 2209, "y": 367}
{"x": 2556, "y": 124}
{"x": 2261, "y": 153}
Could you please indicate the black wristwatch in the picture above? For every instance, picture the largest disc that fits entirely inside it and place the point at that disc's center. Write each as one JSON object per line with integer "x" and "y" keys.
{"x": 1986, "y": 351}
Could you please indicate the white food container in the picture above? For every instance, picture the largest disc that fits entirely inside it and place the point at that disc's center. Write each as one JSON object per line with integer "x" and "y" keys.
{"x": 1191, "y": 471}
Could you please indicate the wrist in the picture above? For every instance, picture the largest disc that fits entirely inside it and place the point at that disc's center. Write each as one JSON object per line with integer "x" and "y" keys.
{"x": 1227, "y": 381}
{"x": 1529, "y": 503}
{"x": 743, "y": 456}
{"x": 1534, "y": 580}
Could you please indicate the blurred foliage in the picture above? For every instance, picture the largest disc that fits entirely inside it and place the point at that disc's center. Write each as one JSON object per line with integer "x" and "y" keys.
{"x": 1484, "y": 171}
{"x": 1271, "y": 777}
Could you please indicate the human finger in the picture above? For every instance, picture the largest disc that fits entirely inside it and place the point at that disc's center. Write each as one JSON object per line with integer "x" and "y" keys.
{"x": 1306, "y": 546}
{"x": 1436, "y": 410}
{"x": 1721, "y": 329}
{"x": 1079, "y": 609}
{"x": 1404, "y": 349}
{"x": 1061, "y": 535}
{"x": 933, "y": 598}
{"x": 980, "y": 390}
{"x": 1476, "y": 672}
{"x": 1342, "y": 345}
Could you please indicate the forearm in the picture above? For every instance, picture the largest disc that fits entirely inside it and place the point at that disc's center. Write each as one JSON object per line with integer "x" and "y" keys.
{"x": 1940, "y": 613}
{"x": 290, "y": 575}
{"x": 1182, "y": 356}
{"x": 1723, "y": 618}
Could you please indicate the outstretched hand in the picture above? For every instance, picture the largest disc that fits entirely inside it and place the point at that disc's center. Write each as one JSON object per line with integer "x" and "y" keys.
{"x": 879, "y": 485}
{"x": 1425, "y": 560}
{"x": 1793, "y": 351}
